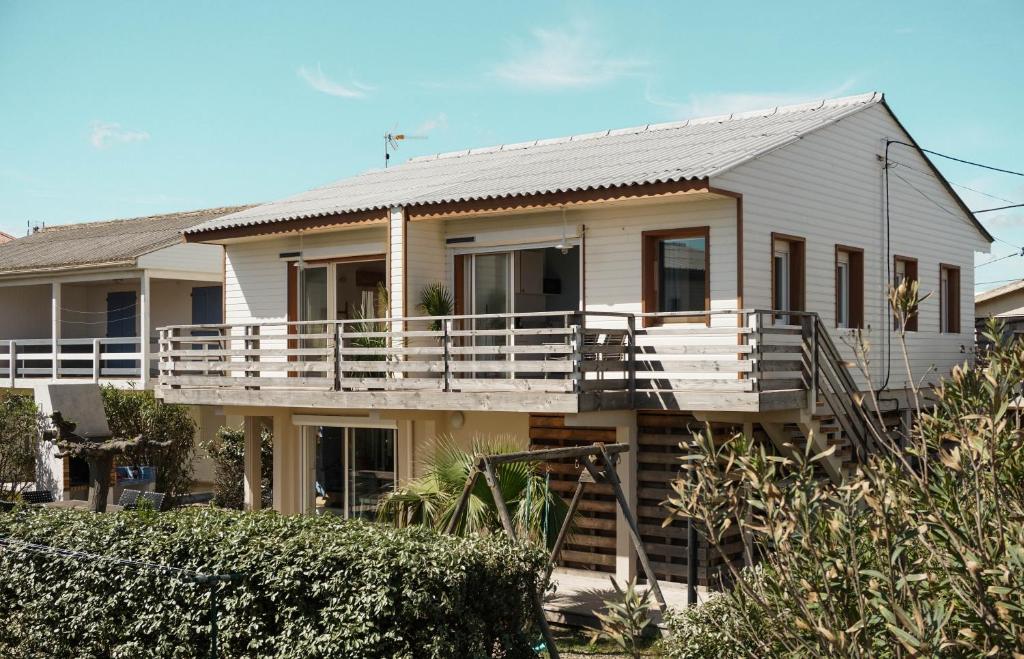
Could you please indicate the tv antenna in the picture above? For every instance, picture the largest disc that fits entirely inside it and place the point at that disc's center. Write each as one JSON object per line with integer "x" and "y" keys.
{"x": 391, "y": 141}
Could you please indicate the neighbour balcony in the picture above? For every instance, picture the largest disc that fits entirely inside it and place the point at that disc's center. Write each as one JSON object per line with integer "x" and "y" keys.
{"x": 739, "y": 360}
{"x": 26, "y": 362}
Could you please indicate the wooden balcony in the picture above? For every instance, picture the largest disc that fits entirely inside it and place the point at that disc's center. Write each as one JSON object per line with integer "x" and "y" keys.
{"x": 27, "y": 362}
{"x": 539, "y": 362}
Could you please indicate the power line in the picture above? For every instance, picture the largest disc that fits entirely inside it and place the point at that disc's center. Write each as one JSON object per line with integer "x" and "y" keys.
{"x": 997, "y": 281}
{"x": 1000, "y": 208}
{"x": 954, "y": 183}
{"x": 961, "y": 160}
{"x": 946, "y": 210}
{"x": 1001, "y": 258}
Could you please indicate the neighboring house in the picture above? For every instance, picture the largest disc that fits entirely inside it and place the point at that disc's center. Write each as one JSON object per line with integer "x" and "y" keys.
{"x": 83, "y": 301}
{"x": 628, "y": 285}
{"x": 1005, "y": 303}
{"x": 5, "y": 237}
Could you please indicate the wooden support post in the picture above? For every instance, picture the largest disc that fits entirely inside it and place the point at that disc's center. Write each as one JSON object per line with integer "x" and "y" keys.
{"x": 631, "y": 325}
{"x": 446, "y": 326}
{"x": 612, "y": 478}
{"x": 460, "y": 507}
{"x": 55, "y": 329}
{"x": 12, "y": 350}
{"x": 252, "y": 473}
{"x": 563, "y": 532}
{"x": 145, "y": 302}
{"x": 506, "y": 521}
{"x": 97, "y": 361}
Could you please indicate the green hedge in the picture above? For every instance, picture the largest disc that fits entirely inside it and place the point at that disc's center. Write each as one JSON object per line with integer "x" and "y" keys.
{"x": 312, "y": 587}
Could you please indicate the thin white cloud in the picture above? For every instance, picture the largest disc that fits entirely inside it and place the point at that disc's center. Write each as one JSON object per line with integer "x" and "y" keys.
{"x": 572, "y": 57}
{"x": 716, "y": 103}
{"x": 106, "y": 133}
{"x": 437, "y": 122}
{"x": 321, "y": 83}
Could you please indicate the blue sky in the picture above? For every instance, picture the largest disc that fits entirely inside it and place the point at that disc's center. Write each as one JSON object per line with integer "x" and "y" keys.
{"x": 120, "y": 109}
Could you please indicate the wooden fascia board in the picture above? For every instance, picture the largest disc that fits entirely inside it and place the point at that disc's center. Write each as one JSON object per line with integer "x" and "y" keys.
{"x": 547, "y": 200}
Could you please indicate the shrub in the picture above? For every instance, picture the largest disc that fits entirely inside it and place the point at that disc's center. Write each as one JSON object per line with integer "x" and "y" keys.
{"x": 309, "y": 587}
{"x": 710, "y": 630}
{"x": 919, "y": 553}
{"x": 19, "y": 432}
{"x": 228, "y": 453}
{"x": 626, "y": 619}
{"x": 168, "y": 433}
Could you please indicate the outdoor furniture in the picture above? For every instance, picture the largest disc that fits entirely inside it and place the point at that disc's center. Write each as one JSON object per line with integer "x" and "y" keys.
{"x": 155, "y": 498}
{"x": 36, "y": 497}
{"x": 128, "y": 499}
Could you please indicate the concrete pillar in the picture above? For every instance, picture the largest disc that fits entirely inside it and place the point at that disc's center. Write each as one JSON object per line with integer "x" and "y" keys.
{"x": 287, "y": 465}
{"x": 625, "y": 554}
{"x": 406, "y": 436}
{"x": 144, "y": 328}
{"x": 306, "y": 484}
{"x": 252, "y": 479}
{"x": 55, "y": 327}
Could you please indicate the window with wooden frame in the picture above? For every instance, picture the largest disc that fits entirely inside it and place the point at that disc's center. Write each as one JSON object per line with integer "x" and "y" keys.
{"x": 676, "y": 273}
{"x": 787, "y": 273}
{"x": 849, "y": 287}
{"x": 949, "y": 299}
{"x": 904, "y": 269}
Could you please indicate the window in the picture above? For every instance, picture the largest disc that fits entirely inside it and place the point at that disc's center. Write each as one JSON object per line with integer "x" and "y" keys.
{"x": 676, "y": 273}
{"x": 949, "y": 299}
{"x": 849, "y": 287}
{"x": 905, "y": 269}
{"x": 787, "y": 274}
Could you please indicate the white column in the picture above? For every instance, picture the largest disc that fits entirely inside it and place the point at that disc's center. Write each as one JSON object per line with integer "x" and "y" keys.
{"x": 252, "y": 472}
{"x": 625, "y": 554}
{"x": 55, "y": 327}
{"x": 396, "y": 270}
{"x": 144, "y": 304}
{"x": 287, "y": 465}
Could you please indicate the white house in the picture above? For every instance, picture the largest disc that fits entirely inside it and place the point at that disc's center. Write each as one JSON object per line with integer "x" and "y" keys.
{"x": 627, "y": 285}
{"x": 83, "y": 301}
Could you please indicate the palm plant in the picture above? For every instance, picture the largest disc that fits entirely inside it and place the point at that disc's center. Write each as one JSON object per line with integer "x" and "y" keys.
{"x": 430, "y": 500}
{"x": 436, "y": 300}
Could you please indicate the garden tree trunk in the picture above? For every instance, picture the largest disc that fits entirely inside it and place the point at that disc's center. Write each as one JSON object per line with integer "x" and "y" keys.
{"x": 100, "y": 467}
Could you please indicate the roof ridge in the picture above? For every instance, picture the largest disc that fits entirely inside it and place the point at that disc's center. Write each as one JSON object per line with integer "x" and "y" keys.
{"x": 225, "y": 210}
{"x": 865, "y": 98}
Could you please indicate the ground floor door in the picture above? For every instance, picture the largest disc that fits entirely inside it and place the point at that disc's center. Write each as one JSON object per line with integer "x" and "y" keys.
{"x": 354, "y": 469}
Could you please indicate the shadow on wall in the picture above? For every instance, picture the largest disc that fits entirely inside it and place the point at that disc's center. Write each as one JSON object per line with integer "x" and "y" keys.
{"x": 49, "y": 468}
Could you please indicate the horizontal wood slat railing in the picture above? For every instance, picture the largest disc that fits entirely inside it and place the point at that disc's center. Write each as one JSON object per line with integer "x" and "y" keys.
{"x": 728, "y": 352}
{"x": 81, "y": 358}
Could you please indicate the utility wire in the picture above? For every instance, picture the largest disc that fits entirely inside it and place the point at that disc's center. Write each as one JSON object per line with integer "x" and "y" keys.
{"x": 954, "y": 183}
{"x": 997, "y": 281}
{"x": 1001, "y": 258}
{"x": 961, "y": 160}
{"x": 1000, "y": 208}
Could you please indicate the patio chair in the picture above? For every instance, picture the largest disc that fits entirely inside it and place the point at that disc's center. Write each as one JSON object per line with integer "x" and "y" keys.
{"x": 129, "y": 499}
{"x": 37, "y": 497}
{"x": 155, "y": 498}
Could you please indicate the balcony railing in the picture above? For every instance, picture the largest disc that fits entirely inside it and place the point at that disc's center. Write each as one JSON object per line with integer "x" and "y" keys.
{"x": 95, "y": 359}
{"x": 617, "y": 356}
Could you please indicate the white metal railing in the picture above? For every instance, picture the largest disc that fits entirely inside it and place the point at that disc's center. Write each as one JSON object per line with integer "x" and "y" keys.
{"x": 730, "y": 351}
{"x": 89, "y": 358}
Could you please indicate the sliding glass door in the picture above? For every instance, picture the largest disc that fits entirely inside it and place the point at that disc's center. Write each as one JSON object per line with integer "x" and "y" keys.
{"x": 355, "y": 468}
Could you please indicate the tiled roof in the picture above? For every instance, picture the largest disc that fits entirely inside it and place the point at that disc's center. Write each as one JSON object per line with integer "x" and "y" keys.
{"x": 111, "y": 242}
{"x": 999, "y": 291}
{"x": 657, "y": 153}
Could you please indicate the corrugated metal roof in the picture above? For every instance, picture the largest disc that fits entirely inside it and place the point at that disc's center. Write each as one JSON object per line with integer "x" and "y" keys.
{"x": 999, "y": 291}
{"x": 109, "y": 242}
{"x": 657, "y": 153}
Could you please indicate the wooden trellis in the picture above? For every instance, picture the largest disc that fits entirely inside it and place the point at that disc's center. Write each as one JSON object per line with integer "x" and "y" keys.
{"x": 590, "y": 473}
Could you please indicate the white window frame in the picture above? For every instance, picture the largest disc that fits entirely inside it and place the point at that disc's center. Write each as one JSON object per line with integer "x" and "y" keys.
{"x": 843, "y": 294}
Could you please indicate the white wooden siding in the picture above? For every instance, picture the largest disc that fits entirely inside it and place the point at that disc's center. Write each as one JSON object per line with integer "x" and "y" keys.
{"x": 613, "y": 244}
{"x": 827, "y": 188}
{"x": 191, "y": 258}
{"x": 256, "y": 278}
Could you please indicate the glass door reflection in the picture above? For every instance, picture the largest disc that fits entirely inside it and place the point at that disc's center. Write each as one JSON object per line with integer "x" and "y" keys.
{"x": 355, "y": 468}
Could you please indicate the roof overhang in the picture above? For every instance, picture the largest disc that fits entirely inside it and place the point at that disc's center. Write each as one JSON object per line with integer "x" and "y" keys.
{"x": 285, "y": 226}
